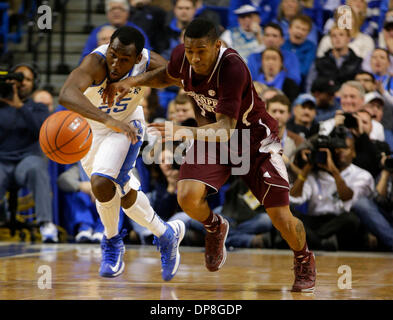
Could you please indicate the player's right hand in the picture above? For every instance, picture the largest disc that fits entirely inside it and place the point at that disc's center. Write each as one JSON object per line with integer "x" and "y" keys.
{"x": 122, "y": 127}
{"x": 122, "y": 88}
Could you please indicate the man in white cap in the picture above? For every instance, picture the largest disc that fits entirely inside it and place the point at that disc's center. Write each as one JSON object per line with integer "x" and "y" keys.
{"x": 374, "y": 103}
{"x": 247, "y": 38}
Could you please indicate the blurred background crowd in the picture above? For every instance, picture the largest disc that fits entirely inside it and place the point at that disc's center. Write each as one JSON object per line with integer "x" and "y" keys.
{"x": 323, "y": 68}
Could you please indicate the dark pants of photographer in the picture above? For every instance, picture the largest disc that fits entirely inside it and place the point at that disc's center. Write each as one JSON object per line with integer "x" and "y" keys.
{"x": 346, "y": 227}
{"x": 378, "y": 221}
{"x": 31, "y": 172}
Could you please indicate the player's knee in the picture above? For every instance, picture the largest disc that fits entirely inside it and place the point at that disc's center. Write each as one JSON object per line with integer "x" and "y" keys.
{"x": 103, "y": 188}
{"x": 129, "y": 199}
{"x": 189, "y": 200}
{"x": 281, "y": 218}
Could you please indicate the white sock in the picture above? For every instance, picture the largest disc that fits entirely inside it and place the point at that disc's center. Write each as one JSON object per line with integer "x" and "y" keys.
{"x": 142, "y": 213}
{"x": 110, "y": 214}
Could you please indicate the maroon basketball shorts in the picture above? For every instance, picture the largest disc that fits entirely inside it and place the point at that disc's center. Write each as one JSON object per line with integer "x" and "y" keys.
{"x": 267, "y": 175}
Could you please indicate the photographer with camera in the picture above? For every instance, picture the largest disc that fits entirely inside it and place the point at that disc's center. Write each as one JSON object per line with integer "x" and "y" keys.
{"x": 377, "y": 213}
{"x": 21, "y": 160}
{"x": 331, "y": 184}
{"x": 352, "y": 95}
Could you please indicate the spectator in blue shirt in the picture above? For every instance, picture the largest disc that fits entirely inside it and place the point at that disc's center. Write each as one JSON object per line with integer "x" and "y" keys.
{"x": 267, "y": 9}
{"x": 117, "y": 13}
{"x": 274, "y": 75}
{"x": 247, "y": 38}
{"x": 273, "y": 37}
{"x": 304, "y": 49}
{"x": 288, "y": 10}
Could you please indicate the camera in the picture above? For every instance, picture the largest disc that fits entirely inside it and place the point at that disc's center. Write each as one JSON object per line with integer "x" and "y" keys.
{"x": 350, "y": 121}
{"x": 333, "y": 141}
{"x": 6, "y": 90}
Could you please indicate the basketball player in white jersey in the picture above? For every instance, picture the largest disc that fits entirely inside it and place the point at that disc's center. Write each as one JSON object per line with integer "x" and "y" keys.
{"x": 117, "y": 136}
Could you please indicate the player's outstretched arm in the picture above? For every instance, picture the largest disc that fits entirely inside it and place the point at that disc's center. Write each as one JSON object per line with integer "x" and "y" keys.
{"x": 92, "y": 70}
{"x": 219, "y": 131}
{"x": 155, "y": 77}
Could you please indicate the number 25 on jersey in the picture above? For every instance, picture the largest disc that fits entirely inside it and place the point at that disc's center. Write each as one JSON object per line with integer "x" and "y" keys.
{"x": 118, "y": 107}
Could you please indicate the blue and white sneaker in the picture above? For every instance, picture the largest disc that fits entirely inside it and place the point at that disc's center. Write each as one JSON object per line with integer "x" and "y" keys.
{"x": 49, "y": 233}
{"x": 113, "y": 249}
{"x": 168, "y": 244}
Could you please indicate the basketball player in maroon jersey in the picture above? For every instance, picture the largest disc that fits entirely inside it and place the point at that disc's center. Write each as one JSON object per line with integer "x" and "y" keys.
{"x": 220, "y": 84}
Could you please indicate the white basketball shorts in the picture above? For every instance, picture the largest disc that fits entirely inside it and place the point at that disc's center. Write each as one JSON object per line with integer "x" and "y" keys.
{"x": 112, "y": 155}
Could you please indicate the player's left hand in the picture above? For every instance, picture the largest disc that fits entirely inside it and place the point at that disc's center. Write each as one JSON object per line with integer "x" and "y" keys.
{"x": 122, "y": 127}
{"x": 121, "y": 88}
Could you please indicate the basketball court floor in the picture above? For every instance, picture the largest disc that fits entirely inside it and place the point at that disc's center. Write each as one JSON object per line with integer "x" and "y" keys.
{"x": 70, "y": 271}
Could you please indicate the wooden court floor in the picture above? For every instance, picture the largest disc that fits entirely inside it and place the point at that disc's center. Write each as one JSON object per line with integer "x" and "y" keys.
{"x": 70, "y": 271}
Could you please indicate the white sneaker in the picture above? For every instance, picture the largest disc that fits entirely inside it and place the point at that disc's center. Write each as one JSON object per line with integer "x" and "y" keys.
{"x": 97, "y": 237}
{"x": 84, "y": 236}
{"x": 49, "y": 233}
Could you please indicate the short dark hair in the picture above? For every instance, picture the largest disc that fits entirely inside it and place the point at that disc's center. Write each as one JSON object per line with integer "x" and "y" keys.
{"x": 275, "y": 26}
{"x": 280, "y": 98}
{"x": 278, "y": 51}
{"x": 368, "y": 73}
{"x": 303, "y": 18}
{"x": 129, "y": 35}
{"x": 200, "y": 28}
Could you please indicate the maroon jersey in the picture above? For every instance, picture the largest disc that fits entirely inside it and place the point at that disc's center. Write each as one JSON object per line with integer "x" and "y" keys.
{"x": 228, "y": 90}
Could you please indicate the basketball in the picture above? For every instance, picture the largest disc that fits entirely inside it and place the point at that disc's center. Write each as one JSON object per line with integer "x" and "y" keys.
{"x": 65, "y": 137}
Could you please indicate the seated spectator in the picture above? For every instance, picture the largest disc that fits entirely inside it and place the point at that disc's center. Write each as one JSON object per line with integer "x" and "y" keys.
{"x": 361, "y": 44}
{"x": 117, "y": 12}
{"x": 151, "y": 19}
{"x": 151, "y": 106}
{"x": 331, "y": 188}
{"x": 269, "y": 92}
{"x": 369, "y": 84}
{"x": 374, "y": 104}
{"x": 385, "y": 41}
{"x": 45, "y": 97}
{"x": 104, "y": 35}
{"x": 379, "y": 63}
{"x": 340, "y": 63}
{"x": 184, "y": 13}
{"x": 184, "y": 108}
{"x": 267, "y": 9}
{"x": 82, "y": 218}
{"x": 298, "y": 43}
{"x": 288, "y": 10}
{"x": 368, "y": 151}
{"x": 247, "y": 38}
{"x": 274, "y": 75}
{"x": 376, "y": 213}
{"x": 279, "y": 108}
{"x": 303, "y": 121}
{"x": 21, "y": 161}
{"x": 273, "y": 38}
{"x": 324, "y": 90}
{"x": 367, "y": 24}
{"x": 351, "y": 96}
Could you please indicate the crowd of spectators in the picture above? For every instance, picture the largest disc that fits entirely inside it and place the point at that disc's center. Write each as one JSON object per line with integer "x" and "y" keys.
{"x": 324, "y": 70}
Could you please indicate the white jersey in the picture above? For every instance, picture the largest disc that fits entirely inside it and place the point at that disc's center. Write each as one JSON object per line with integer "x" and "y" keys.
{"x": 121, "y": 110}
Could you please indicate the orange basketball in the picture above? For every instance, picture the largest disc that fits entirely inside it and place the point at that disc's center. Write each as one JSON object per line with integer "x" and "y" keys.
{"x": 65, "y": 137}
